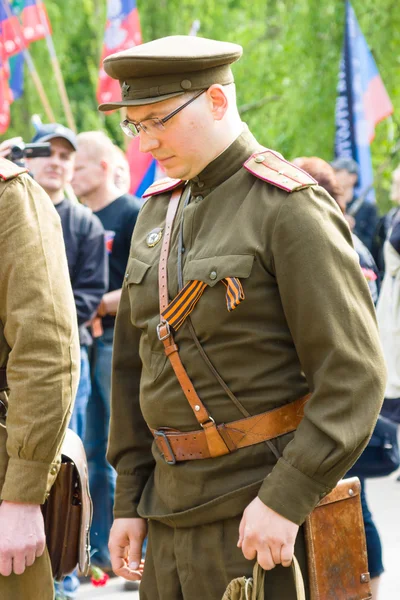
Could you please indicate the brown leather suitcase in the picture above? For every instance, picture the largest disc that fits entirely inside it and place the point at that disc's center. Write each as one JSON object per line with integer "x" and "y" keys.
{"x": 336, "y": 546}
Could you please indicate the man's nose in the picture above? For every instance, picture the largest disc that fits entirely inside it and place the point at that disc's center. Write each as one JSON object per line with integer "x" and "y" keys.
{"x": 147, "y": 143}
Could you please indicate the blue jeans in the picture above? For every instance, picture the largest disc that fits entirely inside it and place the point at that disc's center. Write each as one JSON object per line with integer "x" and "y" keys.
{"x": 68, "y": 588}
{"x": 101, "y": 475}
{"x": 374, "y": 546}
{"x": 78, "y": 418}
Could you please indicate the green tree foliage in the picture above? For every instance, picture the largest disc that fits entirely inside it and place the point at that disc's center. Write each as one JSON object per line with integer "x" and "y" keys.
{"x": 286, "y": 79}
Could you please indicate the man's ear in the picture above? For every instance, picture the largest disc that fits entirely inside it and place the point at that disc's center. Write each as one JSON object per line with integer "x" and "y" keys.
{"x": 219, "y": 101}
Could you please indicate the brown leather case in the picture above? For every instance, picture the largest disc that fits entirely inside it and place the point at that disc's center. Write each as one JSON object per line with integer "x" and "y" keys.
{"x": 68, "y": 511}
{"x": 336, "y": 547}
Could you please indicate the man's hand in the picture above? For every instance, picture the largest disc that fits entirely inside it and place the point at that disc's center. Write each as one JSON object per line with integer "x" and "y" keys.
{"x": 109, "y": 303}
{"x": 5, "y": 147}
{"x": 22, "y": 537}
{"x": 125, "y": 545}
{"x": 267, "y": 536}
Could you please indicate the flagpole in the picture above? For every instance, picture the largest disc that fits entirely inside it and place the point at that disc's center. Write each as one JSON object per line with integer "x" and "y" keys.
{"x": 57, "y": 70}
{"x": 32, "y": 69}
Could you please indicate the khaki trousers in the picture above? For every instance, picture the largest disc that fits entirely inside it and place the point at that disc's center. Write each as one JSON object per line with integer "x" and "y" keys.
{"x": 198, "y": 563}
{"x": 36, "y": 583}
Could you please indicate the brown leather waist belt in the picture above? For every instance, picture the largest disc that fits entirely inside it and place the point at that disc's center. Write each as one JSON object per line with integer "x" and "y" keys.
{"x": 192, "y": 445}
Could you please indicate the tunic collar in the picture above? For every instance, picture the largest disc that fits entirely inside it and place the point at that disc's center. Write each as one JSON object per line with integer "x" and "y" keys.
{"x": 225, "y": 165}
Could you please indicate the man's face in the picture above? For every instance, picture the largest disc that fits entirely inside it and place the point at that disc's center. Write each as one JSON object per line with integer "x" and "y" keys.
{"x": 395, "y": 188}
{"x": 54, "y": 172}
{"x": 181, "y": 148}
{"x": 347, "y": 182}
{"x": 88, "y": 174}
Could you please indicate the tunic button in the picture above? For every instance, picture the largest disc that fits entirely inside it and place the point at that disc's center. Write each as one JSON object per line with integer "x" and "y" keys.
{"x": 199, "y": 198}
{"x": 213, "y": 275}
{"x": 126, "y": 275}
{"x": 200, "y": 184}
{"x": 53, "y": 470}
{"x": 259, "y": 159}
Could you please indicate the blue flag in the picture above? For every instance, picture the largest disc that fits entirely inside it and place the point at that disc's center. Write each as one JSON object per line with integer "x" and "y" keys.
{"x": 362, "y": 102}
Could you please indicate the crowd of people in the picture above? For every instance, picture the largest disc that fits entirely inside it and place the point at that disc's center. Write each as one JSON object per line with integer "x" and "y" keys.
{"x": 97, "y": 233}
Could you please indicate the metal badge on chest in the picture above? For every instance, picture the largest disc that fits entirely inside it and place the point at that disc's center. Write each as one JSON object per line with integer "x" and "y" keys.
{"x": 154, "y": 237}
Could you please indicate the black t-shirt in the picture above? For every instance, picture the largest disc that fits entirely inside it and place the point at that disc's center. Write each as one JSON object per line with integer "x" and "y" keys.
{"x": 87, "y": 260}
{"x": 118, "y": 219}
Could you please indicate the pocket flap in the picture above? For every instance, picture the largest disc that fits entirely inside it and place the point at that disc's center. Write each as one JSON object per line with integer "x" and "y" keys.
{"x": 135, "y": 271}
{"x": 212, "y": 270}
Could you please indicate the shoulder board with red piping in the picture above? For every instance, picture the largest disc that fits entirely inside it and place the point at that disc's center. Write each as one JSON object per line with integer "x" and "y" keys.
{"x": 273, "y": 168}
{"x": 161, "y": 186}
{"x": 8, "y": 170}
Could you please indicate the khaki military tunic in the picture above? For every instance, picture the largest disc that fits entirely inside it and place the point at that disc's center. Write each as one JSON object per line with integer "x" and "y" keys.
{"x": 40, "y": 348}
{"x": 307, "y": 323}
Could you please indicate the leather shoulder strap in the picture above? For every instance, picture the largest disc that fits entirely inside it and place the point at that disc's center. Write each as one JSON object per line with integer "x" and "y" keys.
{"x": 9, "y": 170}
{"x": 162, "y": 186}
{"x": 273, "y": 168}
{"x": 3, "y": 379}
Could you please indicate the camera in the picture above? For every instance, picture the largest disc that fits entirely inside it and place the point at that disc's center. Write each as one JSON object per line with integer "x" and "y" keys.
{"x": 21, "y": 151}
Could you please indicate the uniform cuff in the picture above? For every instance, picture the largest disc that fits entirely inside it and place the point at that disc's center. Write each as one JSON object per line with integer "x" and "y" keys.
{"x": 290, "y": 493}
{"x": 127, "y": 496}
{"x": 28, "y": 481}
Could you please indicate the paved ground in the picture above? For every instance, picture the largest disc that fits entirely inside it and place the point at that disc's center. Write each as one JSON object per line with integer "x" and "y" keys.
{"x": 384, "y": 500}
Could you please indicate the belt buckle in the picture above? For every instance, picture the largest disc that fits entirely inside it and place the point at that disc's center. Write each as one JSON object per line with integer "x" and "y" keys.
{"x": 163, "y": 337}
{"x": 161, "y": 434}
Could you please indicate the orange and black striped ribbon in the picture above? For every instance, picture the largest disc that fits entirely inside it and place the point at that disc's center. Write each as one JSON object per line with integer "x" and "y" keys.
{"x": 183, "y": 304}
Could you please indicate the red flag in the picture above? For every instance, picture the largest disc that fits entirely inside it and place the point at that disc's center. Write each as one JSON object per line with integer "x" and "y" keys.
{"x": 5, "y": 96}
{"x": 10, "y": 32}
{"x": 122, "y": 32}
{"x": 35, "y": 22}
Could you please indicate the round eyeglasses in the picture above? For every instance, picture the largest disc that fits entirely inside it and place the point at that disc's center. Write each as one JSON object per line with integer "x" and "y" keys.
{"x": 153, "y": 125}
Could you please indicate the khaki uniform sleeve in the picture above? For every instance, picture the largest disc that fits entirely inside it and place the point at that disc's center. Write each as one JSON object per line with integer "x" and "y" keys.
{"x": 332, "y": 320}
{"x": 40, "y": 327}
{"x": 129, "y": 450}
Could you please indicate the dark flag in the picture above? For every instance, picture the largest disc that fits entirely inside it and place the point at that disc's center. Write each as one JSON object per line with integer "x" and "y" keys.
{"x": 362, "y": 102}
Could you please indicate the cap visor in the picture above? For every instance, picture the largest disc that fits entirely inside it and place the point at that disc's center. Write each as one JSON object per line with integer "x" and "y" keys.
{"x": 138, "y": 102}
{"x": 53, "y": 136}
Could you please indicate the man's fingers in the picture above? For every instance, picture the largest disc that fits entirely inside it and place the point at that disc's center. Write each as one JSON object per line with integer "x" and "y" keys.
{"x": 265, "y": 559}
{"x": 248, "y": 546}
{"x": 19, "y": 564}
{"x": 287, "y": 553}
{"x": 135, "y": 553}
{"x": 241, "y": 533}
{"x": 6, "y": 564}
{"x": 40, "y": 546}
{"x": 117, "y": 556}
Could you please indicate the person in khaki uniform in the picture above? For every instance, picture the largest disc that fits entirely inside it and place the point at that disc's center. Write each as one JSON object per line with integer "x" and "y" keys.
{"x": 263, "y": 259}
{"x": 39, "y": 358}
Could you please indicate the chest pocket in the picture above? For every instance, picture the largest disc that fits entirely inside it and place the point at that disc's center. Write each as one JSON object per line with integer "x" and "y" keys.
{"x": 213, "y": 269}
{"x": 136, "y": 270}
{"x": 141, "y": 280}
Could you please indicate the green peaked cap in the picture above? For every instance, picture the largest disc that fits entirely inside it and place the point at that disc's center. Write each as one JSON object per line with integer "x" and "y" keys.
{"x": 169, "y": 67}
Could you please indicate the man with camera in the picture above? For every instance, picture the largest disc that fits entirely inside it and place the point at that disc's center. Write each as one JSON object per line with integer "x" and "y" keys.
{"x": 39, "y": 348}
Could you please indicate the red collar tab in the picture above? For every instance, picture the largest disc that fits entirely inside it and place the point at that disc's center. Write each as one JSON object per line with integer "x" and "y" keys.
{"x": 9, "y": 170}
{"x": 162, "y": 186}
{"x": 270, "y": 166}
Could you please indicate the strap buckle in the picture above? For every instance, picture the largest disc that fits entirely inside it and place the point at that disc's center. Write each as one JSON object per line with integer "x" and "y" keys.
{"x": 161, "y": 434}
{"x": 209, "y": 420}
{"x": 159, "y": 334}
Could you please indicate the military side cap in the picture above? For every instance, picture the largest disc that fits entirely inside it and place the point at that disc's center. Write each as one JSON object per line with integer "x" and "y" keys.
{"x": 169, "y": 67}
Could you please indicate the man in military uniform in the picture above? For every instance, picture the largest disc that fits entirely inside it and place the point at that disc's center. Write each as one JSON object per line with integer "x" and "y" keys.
{"x": 262, "y": 302}
{"x": 39, "y": 364}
